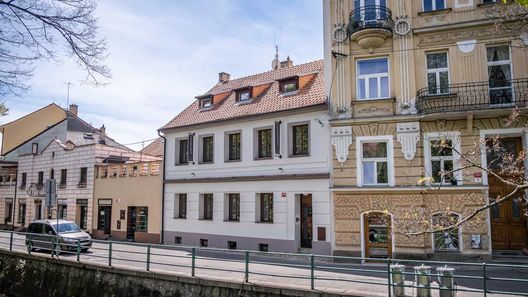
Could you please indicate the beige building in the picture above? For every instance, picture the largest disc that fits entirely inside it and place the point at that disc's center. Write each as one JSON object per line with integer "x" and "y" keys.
{"x": 128, "y": 198}
{"x": 403, "y": 76}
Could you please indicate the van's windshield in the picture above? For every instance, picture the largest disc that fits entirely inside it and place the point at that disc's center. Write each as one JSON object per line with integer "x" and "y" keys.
{"x": 67, "y": 228}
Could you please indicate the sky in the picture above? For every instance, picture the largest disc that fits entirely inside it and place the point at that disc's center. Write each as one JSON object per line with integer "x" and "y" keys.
{"x": 164, "y": 53}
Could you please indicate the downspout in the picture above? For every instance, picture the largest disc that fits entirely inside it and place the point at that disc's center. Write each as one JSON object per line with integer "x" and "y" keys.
{"x": 14, "y": 201}
{"x": 163, "y": 189}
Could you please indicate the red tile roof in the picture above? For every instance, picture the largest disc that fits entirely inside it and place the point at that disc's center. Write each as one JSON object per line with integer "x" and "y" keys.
{"x": 155, "y": 148}
{"x": 266, "y": 99}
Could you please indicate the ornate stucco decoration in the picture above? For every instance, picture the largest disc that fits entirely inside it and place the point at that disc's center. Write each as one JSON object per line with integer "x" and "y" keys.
{"x": 341, "y": 140}
{"x": 466, "y": 46}
{"x": 402, "y": 27}
{"x": 340, "y": 33}
{"x": 408, "y": 135}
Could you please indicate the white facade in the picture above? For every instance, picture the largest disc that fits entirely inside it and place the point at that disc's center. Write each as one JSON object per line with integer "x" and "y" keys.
{"x": 287, "y": 177}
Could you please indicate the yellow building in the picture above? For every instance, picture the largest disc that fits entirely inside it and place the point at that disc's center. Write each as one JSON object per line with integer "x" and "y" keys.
{"x": 128, "y": 195}
{"x": 404, "y": 76}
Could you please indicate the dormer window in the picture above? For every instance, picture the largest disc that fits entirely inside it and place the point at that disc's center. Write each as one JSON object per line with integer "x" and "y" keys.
{"x": 243, "y": 95}
{"x": 289, "y": 85}
{"x": 206, "y": 102}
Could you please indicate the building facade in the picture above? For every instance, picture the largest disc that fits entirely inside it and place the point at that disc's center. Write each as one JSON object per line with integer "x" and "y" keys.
{"x": 127, "y": 196}
{"x": 404, "y": 77}
{"x": 246, "y": 165}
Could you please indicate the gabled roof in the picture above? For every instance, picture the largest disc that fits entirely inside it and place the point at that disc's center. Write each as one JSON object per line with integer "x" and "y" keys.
{"x": 155, "y": 148}
{"x": 266, "y": 96}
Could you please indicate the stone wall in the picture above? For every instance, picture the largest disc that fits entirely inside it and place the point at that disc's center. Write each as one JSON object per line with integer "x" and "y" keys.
{"x": 25, "y": 275}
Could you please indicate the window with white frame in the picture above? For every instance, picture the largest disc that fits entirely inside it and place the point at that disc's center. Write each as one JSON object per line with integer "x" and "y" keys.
{"x": 437, "y": 73}
{"x": 442, "y": 157}
{"x": 430, "y": 5}
{"x": 206, "y": 207}
{"x": 375, "y": 161}
{"x": 373, "y": 79}
{"x": 180, "y": 206}
{"x": 499, "y": 74}
{"x": 446, "y": 240}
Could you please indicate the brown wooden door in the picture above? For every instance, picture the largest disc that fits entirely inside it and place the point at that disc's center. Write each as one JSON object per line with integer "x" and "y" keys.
{"x": 377, "y": 232}
{"x": 508, "y": 221}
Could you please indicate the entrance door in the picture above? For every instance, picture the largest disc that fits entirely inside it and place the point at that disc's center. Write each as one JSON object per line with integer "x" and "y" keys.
{"x": 131, "y": 223}
{"x": 105, "y": 219}
{"x": 377, "y": 235}
{"x": 508, "y": 222}
{"x": 306, "y": 221}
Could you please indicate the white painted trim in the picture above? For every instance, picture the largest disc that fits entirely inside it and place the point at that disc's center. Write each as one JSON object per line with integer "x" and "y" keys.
{"x": 390, "y": 157}
{"x": 454, "y": 136}
{"x": 460, "y": 237}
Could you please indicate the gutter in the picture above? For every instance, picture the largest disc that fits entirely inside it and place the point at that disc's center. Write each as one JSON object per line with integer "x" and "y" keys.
{"x": 163, "y": 189}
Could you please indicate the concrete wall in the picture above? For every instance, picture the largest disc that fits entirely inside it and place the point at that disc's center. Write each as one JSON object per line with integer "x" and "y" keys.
{"x": 24, "y": 275}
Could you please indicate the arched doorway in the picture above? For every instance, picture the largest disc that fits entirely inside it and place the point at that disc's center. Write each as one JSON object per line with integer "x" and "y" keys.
{"x": 377, "y": 235}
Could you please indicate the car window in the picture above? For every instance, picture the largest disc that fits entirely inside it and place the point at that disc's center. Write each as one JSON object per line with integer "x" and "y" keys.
{"x": 49, "y": 230}
{"x": 35, "y": 228}
{"x": 67, "y": 228}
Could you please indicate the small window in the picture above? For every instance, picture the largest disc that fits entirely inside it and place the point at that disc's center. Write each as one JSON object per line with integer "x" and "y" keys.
{"x": 234, "y": 146}
{"x": 233, "y": 204}
{"x": 263, "y": 247}
{"x": 182, "y": 151}
{"x": 142, "y": 219}
{"x": 374, "y": 163}
{"x": 177, "y": 240}
{"x": 8, "y": 211}
{"x": 373, "y": 79}
{"x": 448, "y": 240}
{"x": 206, "y": 102}
{"x": 38, "y": 210}
{"x": 243, "y": 95}
{"x": 34, "y": 148}
{"x": 21, "y": 214}
{"x": 437, "y": 73}
{"x": 232, "y": 245}
{"x": 40, "y": 180}
{"x": 289, "y": 85}
{"x": 180, "y": 206}
{"x": 24, "y": 181}
{"x": 264, "y": 144}
{"x": 204, "y": 242}
{"x": 206, "y": 207}
{"x": 300, "y": 140}
{"x": 265, "y": 208}
{"x": 63, "y": 178}
{"x": 430, "y": 5}
{"x": 63, "y": 212}
{"x": 83, "y": 177}
{"x": 207, "y": 148}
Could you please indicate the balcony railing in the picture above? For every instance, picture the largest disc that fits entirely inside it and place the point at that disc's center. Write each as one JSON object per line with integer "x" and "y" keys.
{"x": 473, "y": 96}
{"x": 371, "y": 16}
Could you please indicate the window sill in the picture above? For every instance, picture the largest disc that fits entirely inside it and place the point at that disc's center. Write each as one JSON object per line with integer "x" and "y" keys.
{"x": 233, "y": 161}
{"x": 232, "y": 221}
{"x": 270, "y": 223}
{"x": 205, "y": 220}
{"x": 180, "y": 164}
{"x": 298, "y": 156}
{"x": 266, "y": 158}
{"x": 367, "y": 100}
{"x": 180, "y": 218}
{"x": 244, "y": 102}
{"x": 292, "y": 93}
{"x": 205, "y": 163}
{"x": 203, "y": 109}
{"x": 435, "y": 12}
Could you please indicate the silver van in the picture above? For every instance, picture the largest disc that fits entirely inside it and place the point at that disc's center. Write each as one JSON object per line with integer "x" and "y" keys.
{"x": 42, "y": 234}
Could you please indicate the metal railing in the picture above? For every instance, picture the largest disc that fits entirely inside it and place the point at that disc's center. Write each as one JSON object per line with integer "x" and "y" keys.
{"x": 472, "y": 96}
{"x": 370, "y": 16}
{"x": 395, "y": 277}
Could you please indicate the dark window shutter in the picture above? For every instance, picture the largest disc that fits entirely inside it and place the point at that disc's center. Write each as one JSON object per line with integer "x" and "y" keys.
{"x": 277, "y": 138}
{"x": 190, "y": 150}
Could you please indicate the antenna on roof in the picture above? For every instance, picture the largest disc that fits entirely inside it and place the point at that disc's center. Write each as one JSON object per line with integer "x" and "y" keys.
{"x": 275, "y": 64}
{"x": 68, "y": 94}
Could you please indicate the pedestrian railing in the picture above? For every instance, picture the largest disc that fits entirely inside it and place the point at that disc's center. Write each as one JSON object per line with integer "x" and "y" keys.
{"x": 396, "y": 277}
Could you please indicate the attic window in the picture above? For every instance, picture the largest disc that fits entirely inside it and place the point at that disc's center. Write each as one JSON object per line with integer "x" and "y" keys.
{"x": 88, "y": 136}
{"x": 243, "y": 95}
{"x": 206, "y": 102}
{"x": 289, "y": 85}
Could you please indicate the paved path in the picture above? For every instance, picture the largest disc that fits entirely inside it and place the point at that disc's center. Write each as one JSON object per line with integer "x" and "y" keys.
{"x": 277, "y": 271}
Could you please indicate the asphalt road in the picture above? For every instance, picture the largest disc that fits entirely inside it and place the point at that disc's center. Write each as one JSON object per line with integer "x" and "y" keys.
{"x": 292, "y": 271}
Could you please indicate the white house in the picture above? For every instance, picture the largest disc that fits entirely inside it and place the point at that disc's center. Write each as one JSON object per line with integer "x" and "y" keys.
{"x": 247, "y": 164}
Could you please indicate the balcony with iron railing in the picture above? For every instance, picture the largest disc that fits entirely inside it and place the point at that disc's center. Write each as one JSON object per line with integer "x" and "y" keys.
{"x": 370, "y": 25}
{"x": 473, "y": 96}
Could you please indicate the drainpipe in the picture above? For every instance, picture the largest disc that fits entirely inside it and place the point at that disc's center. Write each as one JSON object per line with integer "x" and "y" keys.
{"x": 163, "y": 189}
{"x": 14, "y": 200}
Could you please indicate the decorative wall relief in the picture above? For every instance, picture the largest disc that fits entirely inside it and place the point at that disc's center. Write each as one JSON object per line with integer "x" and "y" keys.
{"x": 341, "y": 140}
{"x": 408, "y": 135}
{"x": 466, "y": 46}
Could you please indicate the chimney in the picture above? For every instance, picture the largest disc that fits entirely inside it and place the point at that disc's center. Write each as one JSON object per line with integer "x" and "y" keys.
{"x": 102, "y": 130}
{"x": 287, "y": 63}
{"x": 223, "y": 77}
{"x": 74, "y": 109}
